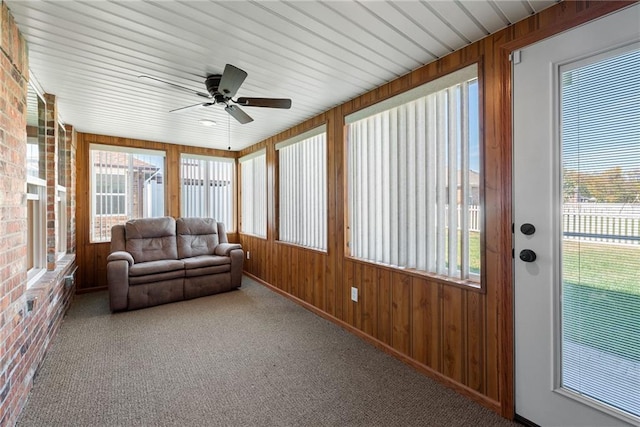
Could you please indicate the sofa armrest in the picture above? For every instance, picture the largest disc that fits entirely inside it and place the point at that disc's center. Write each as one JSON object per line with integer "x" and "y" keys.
{"x": 118, "y": 264}
{"x": 224, "y": 249}
{"x": 235, "y": 252}
{"x": 120, "y": 256}
{"x": 237, "y": 266}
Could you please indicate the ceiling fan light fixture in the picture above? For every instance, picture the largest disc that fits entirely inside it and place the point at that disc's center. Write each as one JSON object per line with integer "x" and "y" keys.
{"x": 207, "y": 122}
{"x": 222, "y": 88}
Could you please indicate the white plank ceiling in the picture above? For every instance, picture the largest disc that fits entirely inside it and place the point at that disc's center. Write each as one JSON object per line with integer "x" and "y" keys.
{"x": 318, "y": 53}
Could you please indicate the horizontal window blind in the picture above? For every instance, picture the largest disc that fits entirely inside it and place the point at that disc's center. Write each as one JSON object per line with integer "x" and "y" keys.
{"x": 207, "y": 188}
{"x": 600, "y": 286}
{"x": 302, "y": 167}
{"x": 413, "y": 194}
{"x": 253, "y": 173}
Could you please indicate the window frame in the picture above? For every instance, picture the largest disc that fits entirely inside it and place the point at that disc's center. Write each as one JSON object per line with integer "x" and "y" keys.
{"x": 128, "y": 172}
{"x": 467, "y": 73}
{"x": 243, "y": 194}
{"x": 297, "y": 235}
{"x": 61, "y": 221}
{"x": 61, "y": 193}
{"x": 36, "y": 228}
{"x": 36, "y": 195}
{"x": 230, "y": 224}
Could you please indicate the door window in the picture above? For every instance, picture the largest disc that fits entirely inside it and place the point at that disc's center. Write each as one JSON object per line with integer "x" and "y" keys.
{"x": 600, "y": 295}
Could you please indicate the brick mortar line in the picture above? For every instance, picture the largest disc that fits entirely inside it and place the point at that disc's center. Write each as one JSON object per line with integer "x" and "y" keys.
{"x": 13, "y": 64}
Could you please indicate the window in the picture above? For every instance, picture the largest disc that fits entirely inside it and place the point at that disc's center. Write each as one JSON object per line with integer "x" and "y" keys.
{"x": 62, "y": 156}
{"x": 253, "y": 169}
{"x": 61, "y": 196}
{"x": 207, "y": 185}
{"x": 111, "y": 192}
{"x": 36, "y": 185}
{"x": 302, "y": 164}
{"x": 126, "y": 183}
{"x": 414, "y": 179}
{"x": 36, "y": 135}
{"x": 61, "y": 221}
{"x": 36, "y": 231}
{"x": 599, "y": 279}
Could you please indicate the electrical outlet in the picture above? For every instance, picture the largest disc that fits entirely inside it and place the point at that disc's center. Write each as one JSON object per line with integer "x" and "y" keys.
{"x": 248, "y": 255}
{"x": 354, "y": 294}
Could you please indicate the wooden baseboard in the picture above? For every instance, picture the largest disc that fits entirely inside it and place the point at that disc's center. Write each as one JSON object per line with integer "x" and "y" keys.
{"x": 423, "y": 369}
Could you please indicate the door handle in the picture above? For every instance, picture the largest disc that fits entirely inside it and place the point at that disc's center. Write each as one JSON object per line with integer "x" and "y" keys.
{"x": 527, "y": 229}
{"x": 527, "y": 255}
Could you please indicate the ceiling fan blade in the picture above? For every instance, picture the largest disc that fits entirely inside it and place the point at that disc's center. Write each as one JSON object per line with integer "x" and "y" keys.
{"x": 237, "y": 113}
{"x": 231, "y": 79}
{"x": 188, "y": 107}
{"x": 264, "y": 102}
{"x": 176, "y": 86}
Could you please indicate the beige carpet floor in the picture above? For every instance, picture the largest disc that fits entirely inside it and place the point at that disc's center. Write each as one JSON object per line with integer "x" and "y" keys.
{"x": 245, "y": 358}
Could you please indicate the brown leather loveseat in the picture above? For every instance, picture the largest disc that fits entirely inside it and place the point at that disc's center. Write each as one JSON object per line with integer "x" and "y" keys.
{"x": 159, "y": 260}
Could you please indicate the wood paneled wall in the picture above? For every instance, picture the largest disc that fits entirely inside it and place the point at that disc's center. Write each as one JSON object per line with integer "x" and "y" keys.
{"x": 92, "y": 257}
{"x": 460, "y": 336}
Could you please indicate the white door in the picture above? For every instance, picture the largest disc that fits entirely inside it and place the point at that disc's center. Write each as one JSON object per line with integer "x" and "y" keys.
{"x": 577, "y": 270}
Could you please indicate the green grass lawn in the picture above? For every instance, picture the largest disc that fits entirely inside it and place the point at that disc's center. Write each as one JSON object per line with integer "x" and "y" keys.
{"x": 603, "y": 319}
{"x": 474, "y": 251}
{"x": 602, "y": 265}
{"x": 601, "y": 296}
{"x": 607, "y": 266}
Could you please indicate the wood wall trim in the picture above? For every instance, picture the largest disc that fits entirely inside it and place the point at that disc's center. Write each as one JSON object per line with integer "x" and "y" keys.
{"x": 549, "y": 22}
{"x": 554, "y": 20}
{"x": 467, "y": 285}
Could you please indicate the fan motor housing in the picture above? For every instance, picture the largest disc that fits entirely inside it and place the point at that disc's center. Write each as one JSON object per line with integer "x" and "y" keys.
{"x": 213, "y": 82}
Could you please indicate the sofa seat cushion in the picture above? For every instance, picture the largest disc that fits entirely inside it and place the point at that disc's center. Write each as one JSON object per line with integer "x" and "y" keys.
{"x": 208, "y": 271}
{"x": 174, "y": 276}
{"x": 205, "y": 261}
{"x": 155, "y": 267}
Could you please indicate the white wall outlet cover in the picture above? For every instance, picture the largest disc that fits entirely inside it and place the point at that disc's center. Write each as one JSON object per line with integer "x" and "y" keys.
{"x": 354, "y": 294}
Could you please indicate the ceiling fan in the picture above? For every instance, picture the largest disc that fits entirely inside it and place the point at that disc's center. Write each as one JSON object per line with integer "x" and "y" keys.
{"x": 221, "y": 88}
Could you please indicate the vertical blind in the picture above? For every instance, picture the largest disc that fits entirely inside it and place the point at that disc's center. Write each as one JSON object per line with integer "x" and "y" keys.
{"x": 600, "y": 283}
{"x": 302, "y": 165}
{"x": 126, "y": 183}
{"x": 409, "y": 179}
{"x": 207, "y": 188}
{"x": 253, "y": 170}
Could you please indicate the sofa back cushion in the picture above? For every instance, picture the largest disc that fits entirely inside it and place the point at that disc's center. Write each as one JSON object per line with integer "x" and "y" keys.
{"x": 151, "y": 239}
{"x": 196, "y": 236}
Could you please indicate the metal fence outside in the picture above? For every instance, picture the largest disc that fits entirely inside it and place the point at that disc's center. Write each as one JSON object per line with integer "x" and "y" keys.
{"x": 602, "y": 222}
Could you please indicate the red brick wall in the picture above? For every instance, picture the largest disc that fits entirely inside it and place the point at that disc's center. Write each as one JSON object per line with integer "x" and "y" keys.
{"x": 24, "y": 335}
{"x": 13, "y": 225}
